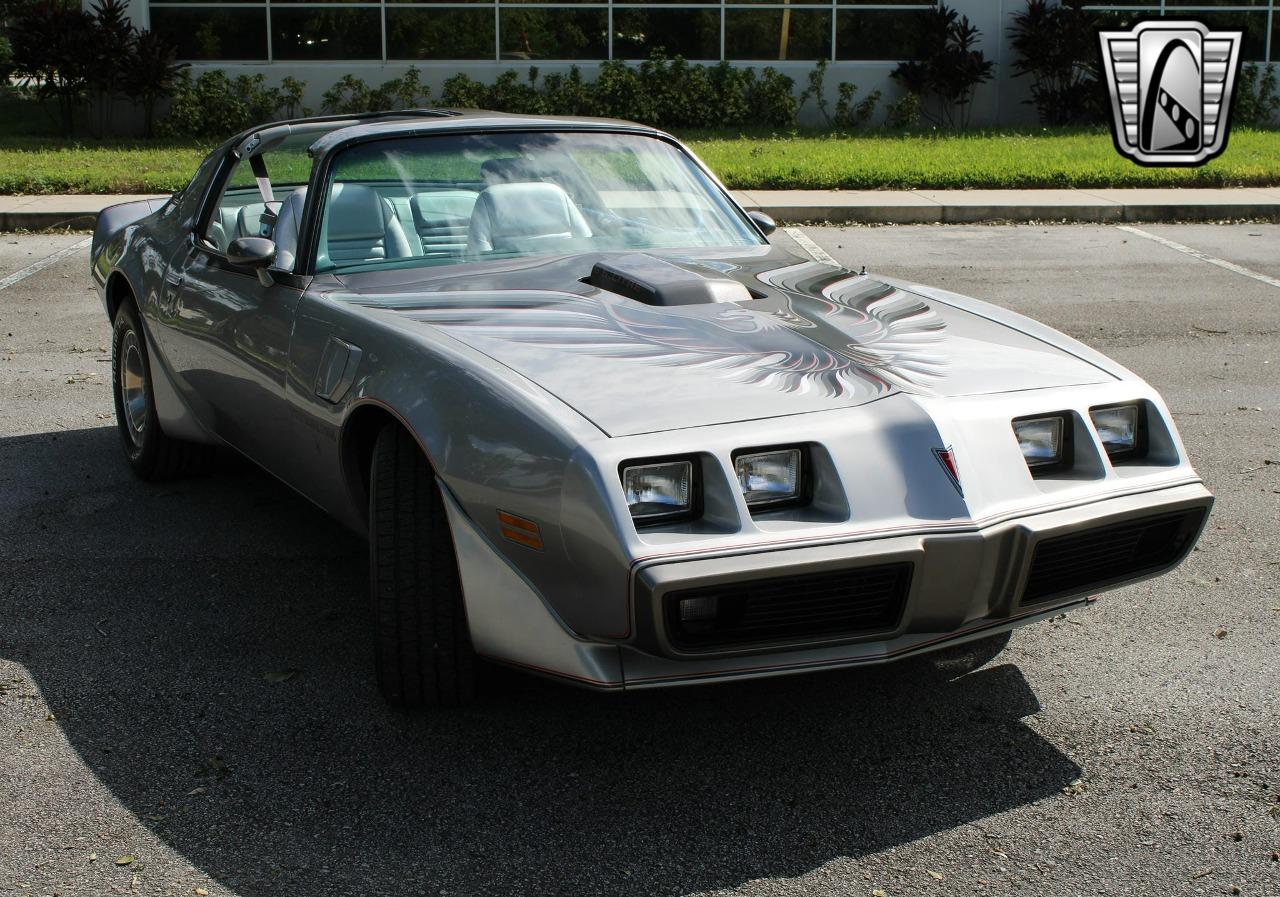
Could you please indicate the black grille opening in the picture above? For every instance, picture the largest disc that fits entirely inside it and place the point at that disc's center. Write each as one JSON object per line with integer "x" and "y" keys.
{"x": 1075, "y": 563}
{"x": 832, "y": 604}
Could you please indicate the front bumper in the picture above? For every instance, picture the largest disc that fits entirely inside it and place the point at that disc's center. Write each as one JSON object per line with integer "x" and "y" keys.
{"x": 963, "y": 585}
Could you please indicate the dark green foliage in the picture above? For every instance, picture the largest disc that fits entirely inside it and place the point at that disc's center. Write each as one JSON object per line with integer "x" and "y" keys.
{"x": 668, "y": 93}
{"x": 849, "y": 114}
{"x": 1057, "y": 45}
{"x": 945, "y": 68}
{"x": 352, "y": 95}
{"x": 213, "y": 106}
{"x": 113, "y": 55}
{"x": 904, "y": 113}
{"x": 63, "y": 54}
{"x": 53, "y": 48}
{"x": 153, "y": 73}
{"x": 1257, "y": 102}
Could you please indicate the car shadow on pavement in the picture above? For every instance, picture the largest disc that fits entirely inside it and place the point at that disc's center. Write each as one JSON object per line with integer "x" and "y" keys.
{"x": 203, "y": 647}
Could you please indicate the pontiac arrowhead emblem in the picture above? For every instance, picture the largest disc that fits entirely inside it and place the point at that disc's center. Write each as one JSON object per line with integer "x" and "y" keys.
{"x": 1171, "y": 87}
{"x": 947, "y": 458}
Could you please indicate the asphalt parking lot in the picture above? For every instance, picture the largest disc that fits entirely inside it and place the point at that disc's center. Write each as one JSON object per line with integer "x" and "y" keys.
{"x": 185, "y": 675}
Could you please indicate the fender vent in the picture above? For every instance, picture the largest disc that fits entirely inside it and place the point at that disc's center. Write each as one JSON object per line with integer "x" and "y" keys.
{"x": 654, "y": 281}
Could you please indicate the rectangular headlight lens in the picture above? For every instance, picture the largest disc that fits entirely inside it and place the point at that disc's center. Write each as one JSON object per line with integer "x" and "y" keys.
{"x": 656, "y": 491}
{"x": 1117, "y": 428}
{"x": 1040, "y": 439}
{"x": 769, "y": 478}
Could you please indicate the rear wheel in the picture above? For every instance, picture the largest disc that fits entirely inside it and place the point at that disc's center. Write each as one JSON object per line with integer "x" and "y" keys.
{"x": 151, "y": 453}
{"x": 422, "y": 644}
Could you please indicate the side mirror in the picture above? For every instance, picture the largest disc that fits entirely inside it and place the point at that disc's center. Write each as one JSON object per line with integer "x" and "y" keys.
{"x": 253, "y": 252}
{"x": 766, "y": 224}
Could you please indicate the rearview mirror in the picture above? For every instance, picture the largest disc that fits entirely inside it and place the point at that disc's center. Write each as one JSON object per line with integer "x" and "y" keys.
{"x": 766, "y": 224}
{"x": 253, "y": 252}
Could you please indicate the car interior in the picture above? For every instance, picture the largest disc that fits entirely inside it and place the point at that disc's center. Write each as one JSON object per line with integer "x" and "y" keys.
{"x": 517, "y": 205}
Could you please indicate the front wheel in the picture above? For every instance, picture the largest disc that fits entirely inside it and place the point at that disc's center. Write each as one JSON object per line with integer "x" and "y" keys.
{"x": 151, "y": 453}
{"x": 422, "y": 645}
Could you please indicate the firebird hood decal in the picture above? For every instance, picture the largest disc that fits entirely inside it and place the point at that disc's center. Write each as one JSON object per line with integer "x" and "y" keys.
{"x": 813, "y": 339}
{"x": 848, "y": 343}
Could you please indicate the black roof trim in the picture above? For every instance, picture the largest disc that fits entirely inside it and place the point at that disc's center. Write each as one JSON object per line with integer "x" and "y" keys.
{"x": 407, "y": 114}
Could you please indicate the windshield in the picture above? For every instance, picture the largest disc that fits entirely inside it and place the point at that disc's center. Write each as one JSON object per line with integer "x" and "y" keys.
{"x": 472, "y": 197}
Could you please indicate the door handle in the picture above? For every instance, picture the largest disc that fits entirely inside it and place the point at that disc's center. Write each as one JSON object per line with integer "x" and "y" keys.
{"x": 169, "y": 298}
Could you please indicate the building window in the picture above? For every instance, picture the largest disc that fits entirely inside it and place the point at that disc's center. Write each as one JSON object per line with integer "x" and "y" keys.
{"x": 792, "y": 33}
{"x": 326, "y": 32}
{"x": 691, "y": 33}
{"x": 439, "y": 33}
{"x": 529, "y": 33}
{"x": 698, "y": 30}
{"x": 203, "y": 33}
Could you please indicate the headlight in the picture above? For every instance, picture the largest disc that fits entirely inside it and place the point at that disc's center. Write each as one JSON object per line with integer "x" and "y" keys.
{"x": 661, "y": 490}
{"x": 1041, "y": 440}
{"x": 769, "y": 478}
{"x": 1119, "y": 427}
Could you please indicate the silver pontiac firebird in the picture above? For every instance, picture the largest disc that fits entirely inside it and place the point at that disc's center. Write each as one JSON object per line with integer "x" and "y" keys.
{"x": 596, "y": 427}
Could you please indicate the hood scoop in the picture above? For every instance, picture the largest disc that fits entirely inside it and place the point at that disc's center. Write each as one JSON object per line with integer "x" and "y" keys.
{"x": 656, "y": 281}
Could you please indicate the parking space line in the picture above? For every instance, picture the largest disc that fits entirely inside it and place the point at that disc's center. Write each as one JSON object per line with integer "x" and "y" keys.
{"x": 817, "y": 252}
{"x": 37, "y": 267}
{"x": 1202, "y": 256}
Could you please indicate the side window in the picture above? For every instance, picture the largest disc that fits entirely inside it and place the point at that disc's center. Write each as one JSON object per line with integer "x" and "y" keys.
{"x": 242, "y": 209}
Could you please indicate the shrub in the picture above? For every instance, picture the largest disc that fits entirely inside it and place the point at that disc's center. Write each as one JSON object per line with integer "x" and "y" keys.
{"x": 772, "y": 99}
{"x": 1257, "y": 99}
{"x": 849, "y": 114}
{"x": 213, "y": 106}
{"x": 904, "y": 112}
{"x": 1057, "y": 45}
{"x": 351, "y": 95}
{"x": 461, "y": 91}
{"x": 945, "y": 67}
{"x": 567, "y": 94}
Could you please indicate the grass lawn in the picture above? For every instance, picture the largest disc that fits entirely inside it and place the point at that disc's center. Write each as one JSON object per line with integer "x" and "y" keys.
{"x": 990, "y": 159}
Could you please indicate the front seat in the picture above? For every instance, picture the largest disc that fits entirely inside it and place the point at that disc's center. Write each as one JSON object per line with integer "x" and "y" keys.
{"x": 524, "y": 218}
{"x": 286, "y": 232}
{"x": 361, "y": 226}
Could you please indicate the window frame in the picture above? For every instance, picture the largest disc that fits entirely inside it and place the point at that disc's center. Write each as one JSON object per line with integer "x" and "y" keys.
{"x": 318, "y": 193}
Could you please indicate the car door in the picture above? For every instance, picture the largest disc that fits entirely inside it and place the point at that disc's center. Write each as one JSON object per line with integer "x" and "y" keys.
{"x": 228, "y": 332}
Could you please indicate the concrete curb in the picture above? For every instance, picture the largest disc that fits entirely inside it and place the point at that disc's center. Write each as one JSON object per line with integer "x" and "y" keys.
{"x": 850, "y": 206}
{"x": 974, "y": 206}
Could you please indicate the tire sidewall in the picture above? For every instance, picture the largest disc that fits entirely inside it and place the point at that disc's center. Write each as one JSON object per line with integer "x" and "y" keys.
{"x": 141, "y": 454}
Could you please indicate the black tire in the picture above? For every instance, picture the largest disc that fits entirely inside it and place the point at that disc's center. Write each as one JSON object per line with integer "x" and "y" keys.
{"x": 422, "y": 645}
{"x": 151, "y": 453}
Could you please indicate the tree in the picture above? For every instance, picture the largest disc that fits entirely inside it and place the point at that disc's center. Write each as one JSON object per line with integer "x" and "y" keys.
{"x": 152, "y": 73}
{"x": 1057, "y": 45}
{"x": 53, "y": 54}
{"x": 112, "y": 57}
{"x": 945, "y": 66}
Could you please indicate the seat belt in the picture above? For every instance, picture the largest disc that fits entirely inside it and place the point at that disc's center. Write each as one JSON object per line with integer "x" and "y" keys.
{"x": 267, "y": 221}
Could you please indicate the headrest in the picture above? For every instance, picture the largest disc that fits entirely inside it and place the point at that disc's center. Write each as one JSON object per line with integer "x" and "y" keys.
{"x": 437, "y": 207}
{"x": 355, "y": 213}
{"x": 508, "y": 215}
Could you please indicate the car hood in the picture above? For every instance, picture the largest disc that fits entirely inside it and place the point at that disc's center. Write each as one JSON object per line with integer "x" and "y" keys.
{"x": 810, "y": 337}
